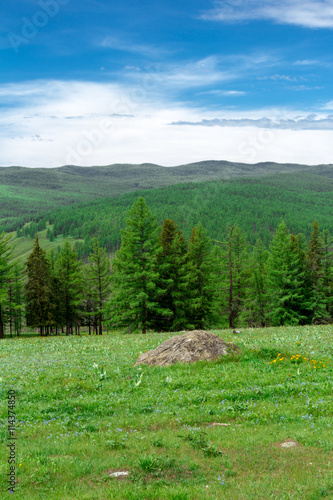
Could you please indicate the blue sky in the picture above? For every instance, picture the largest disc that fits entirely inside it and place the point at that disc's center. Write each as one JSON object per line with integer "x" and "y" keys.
{"x": 102, "y": 82}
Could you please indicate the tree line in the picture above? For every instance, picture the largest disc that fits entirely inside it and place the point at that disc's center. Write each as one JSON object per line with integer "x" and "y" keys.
{"x": 161, "y": 281}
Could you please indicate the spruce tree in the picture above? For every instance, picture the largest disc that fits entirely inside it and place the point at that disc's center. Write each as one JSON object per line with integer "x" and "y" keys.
{"x": 98, "y": 274}
{"x": 255, "y": 305}
{"x": 38, "y": 289}
{"x": 170, "y": 264}
{"x": 70, "y": 279}
{"x": 299, "y": 245}
{"x": 200, "y": 279}
{"x": 286, "y": 280}
{"x": 89, "y": 305}
{"x": 5, "y": 269}
{"x": 233, "y": 270}
{"x": 315, "y": 257}
{"x": 135, "y": 276}
{"x": 15, "y": 304}
{"x": 328, "y": 273}
{"x": 58, "y": 311}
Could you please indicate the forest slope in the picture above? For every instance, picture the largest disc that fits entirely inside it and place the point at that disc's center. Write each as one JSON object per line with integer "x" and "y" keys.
{"x": 27, "y": 192}
{"x": 257, "y": 205}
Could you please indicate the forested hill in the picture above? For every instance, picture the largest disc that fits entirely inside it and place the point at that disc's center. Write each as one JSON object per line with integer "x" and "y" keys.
{"x": 257, "y": 205}
{"x": 27, "y": 192}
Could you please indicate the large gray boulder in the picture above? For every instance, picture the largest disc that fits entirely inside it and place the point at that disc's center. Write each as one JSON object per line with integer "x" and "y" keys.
{"x": 187, "y": 348}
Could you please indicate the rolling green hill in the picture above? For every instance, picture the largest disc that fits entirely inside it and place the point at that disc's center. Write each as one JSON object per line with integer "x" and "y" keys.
{"x": 22, "y": 247}
{"x": 257, "y": 205}
{"x": 29, "y": 192}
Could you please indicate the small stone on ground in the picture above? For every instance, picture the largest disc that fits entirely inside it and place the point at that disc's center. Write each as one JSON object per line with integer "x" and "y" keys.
{"x": 289, "y": 444}
{"x": 119, "y": 474}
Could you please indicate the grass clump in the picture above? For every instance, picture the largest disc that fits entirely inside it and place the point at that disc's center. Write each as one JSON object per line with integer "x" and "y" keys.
{"x": 199, "y": 441}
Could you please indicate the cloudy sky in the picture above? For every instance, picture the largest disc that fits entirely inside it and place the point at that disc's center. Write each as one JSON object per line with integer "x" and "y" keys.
{"x": 98, "y": 82}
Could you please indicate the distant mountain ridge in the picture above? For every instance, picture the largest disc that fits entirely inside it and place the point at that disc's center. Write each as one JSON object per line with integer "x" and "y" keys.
{"x": 27, "y": 192}
{"x": 203, "y": 170}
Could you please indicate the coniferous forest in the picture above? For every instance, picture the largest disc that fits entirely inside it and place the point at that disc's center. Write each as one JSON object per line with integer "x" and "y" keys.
{"x": 159, "y": 280}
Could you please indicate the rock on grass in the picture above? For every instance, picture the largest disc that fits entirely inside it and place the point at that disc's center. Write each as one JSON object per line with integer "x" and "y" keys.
{"x": 196, "y": 345}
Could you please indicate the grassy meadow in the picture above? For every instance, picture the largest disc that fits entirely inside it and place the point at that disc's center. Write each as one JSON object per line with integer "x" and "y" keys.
{"x": 84, "y": 411}
{"x": 23, "y": 246}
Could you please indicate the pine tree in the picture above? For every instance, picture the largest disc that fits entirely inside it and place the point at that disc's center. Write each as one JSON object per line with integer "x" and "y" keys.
{"x": 200, "y": 279}
{"x": 89, "y": 306}
{"x": 135, "y": 277}
{"x": 5, "y": 269}
{"x": 58, "y": 311}
{"x": 328, "y": 273}
{"x": 233, "y": 272}
{"x": 286, "y": 280}
{"x": 15, "y": 305}
{"x": 170, "y": 264}
{"x": 70, "y": 276}
{"x": 315, "y": 257}
{"x": 299, "y": 246}
{"x": 50, "y": 234}
{"x": 100, "y": 280}
{"x": 255, "y": 307}
{"x": 38, "y": 289}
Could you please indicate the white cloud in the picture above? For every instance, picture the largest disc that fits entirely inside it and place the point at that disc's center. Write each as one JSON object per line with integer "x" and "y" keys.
{"x": 57, "y": 122}
{"x": 307, "y": 62}
{"x": 328, "y": 105}
{"x": 227, "y": 93}
{"x": 115, "y": 43}
{"x": 301, "y": 88}
{"x": 278, "y": 77}
{"x": 310, "y": 122}
{"x": 185, "y": 75}
{"x": 201, "y": 75}
{"x": 308, "y": 13}
{"x": 197, "y": 74}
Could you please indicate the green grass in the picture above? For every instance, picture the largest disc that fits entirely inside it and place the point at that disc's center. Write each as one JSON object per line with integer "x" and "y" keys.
{"x": 81, "y": 416}
{"x": 22, "y": 247}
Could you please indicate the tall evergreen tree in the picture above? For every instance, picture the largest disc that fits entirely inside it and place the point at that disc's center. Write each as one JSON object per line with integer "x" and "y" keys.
{"x": 255, "y": 306}
{"x": 5, "y": 268}
{"x": 15, "y": 304}
{"x": 135, "y": 277}
{"x": 286, "y": 280}
{"x": 233, "y": 273}
{"x": 38, "y": 289}
{"x": 70, "y": 276}
{"x": 58, "y": 311}
{"x": 100, "y": 280}
{"x": 315, "y": 257}
{"x": 201, "y": 279}
{"x": 170, "y": 265}
{"x": 328, "y": 273}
